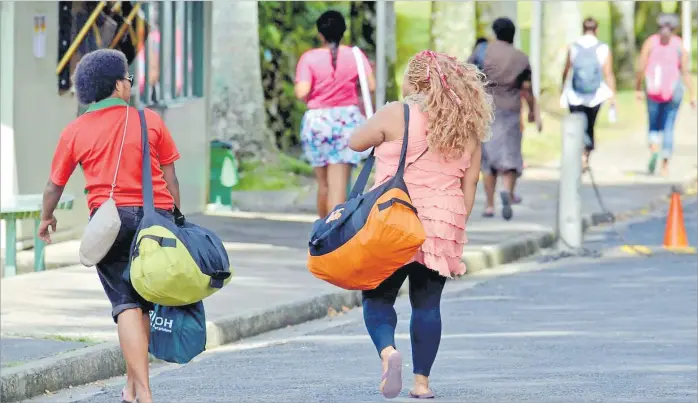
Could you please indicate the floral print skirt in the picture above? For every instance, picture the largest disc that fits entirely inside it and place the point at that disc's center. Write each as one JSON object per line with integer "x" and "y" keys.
{"x": 325, "y": 135}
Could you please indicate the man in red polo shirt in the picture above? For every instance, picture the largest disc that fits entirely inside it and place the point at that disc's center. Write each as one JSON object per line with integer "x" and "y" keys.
{"x": 106, "y": 142}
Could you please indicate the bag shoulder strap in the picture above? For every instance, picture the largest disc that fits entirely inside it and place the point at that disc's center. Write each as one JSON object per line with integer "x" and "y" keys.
{"x": 121, "y": 150}
{"x": 362, "y": 180}
{"x": 363, "y": 82}
{"x": 147, "y": 171}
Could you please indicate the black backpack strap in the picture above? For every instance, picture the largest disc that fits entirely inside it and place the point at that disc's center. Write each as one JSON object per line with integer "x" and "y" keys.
{"x": 405, "y": 141}
{"x": 362, "y": 180}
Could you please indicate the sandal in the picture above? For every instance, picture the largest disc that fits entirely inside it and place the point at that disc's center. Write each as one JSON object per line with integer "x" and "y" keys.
{"x": 393, "y": 376}
{"x": 507, "y": 211}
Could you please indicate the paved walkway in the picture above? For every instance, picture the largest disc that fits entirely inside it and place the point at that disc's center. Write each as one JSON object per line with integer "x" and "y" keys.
{"x": 269, "y": 256}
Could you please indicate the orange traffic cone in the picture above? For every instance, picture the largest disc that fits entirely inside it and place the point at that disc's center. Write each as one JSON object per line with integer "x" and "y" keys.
{"x": 675, "y": 231}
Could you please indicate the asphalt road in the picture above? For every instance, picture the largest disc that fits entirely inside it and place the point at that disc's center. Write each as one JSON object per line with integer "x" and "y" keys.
{"x": 620, "y": 328}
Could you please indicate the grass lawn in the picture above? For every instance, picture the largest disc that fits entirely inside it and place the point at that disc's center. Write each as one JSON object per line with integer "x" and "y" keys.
{"x": 539, "y": 148}
{"x": 288, "y": 172}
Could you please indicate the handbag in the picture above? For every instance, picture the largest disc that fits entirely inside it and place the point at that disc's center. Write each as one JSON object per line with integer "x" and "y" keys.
{"x": 104, "y": 225}
{"x": 173, "y": 264}
{"x": 177, "y": 334}
{"x": 365, "y": 240}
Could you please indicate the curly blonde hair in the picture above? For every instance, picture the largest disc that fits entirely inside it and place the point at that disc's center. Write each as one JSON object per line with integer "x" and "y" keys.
{"x": 454, "y": 96}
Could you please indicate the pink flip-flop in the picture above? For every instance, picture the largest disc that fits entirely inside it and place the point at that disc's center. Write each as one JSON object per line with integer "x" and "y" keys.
{"x": 393, "y": 376}
{"x": 428, "y": 395}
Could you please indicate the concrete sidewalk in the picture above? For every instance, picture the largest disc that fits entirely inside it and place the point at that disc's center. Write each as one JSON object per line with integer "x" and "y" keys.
{"x": 58, "y": 321}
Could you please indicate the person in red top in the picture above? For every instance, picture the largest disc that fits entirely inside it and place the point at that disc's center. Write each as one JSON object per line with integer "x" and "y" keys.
{"x": 94, "y": 141}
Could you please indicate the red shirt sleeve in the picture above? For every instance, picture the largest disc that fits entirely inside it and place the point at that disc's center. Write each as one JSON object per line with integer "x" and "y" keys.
{"x": 166, "y": 148}
{"x": 64, "y": 162}
{"x": 303, "y": 72}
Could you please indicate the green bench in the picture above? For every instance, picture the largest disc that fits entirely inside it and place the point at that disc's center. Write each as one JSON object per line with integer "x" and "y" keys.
{"x": 25, "y": 207}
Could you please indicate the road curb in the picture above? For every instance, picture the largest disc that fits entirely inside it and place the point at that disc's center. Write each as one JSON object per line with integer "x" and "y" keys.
{"x": 73, "y": 368}
{"x": 230, "y": 330}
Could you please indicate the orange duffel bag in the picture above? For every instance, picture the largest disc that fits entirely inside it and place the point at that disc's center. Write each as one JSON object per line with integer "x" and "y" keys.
{"x": 365, "y": 240}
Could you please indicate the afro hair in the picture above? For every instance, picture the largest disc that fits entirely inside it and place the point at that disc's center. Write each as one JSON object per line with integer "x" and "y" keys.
{"x": 97, "y": 73}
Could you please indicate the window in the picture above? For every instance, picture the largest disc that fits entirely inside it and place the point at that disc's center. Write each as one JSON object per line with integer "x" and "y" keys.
{"x": 170, "y": 63}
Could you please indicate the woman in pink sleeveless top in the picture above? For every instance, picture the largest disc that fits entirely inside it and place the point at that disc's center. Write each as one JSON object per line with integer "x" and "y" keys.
{"x": 450, "y": 114}
{"x": 663, "y": 62}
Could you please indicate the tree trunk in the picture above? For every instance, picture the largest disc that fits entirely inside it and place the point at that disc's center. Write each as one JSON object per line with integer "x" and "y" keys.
{"x": 623, "y": 41}
{"x": 646, "y": 13}
{"x": 489, "y": 11}
{"x": 555, "y": 42}
{"x": 237, "y": 94}
{"x": 453, "y": 28}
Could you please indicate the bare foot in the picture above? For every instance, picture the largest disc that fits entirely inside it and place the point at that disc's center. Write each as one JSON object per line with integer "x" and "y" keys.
{"x": 144, "y": 397}
{"x": 665, "y": 168}
{"x": 127, "y": 395}
{"x": 421, "y": 386}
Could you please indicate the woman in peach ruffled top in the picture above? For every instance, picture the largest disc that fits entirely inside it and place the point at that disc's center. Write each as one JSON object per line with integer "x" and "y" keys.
{"x": 450, "y": 116}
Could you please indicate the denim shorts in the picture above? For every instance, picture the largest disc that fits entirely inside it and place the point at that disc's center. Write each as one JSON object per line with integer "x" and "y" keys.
{"x": 111, "y": 269}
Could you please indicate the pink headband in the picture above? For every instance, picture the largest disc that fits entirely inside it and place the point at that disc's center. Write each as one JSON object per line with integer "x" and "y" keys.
{"x": 432, "y": 55}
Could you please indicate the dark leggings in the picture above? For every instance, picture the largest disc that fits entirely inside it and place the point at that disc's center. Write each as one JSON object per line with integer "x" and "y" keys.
{"x": 590, "y": 114}
{"x": 380, "y": 317}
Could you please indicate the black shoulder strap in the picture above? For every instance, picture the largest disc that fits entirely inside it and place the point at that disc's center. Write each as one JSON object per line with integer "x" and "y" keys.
{"x": 362, "y": 180}
{"x": 147, "y": 172}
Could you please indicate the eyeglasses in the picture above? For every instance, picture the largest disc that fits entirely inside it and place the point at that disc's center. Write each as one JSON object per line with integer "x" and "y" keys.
{"x": 130, "y": 79}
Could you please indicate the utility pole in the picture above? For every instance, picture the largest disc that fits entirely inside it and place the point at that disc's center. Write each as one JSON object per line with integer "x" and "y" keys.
{"x": 381, "y": 60}
{"x": 686, "y": 28}
{"x": 569, "y": 204}
{"x": 536, "y": 45}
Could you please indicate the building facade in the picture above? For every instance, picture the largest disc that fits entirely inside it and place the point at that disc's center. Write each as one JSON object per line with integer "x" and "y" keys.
{"x": 172, "y": 77}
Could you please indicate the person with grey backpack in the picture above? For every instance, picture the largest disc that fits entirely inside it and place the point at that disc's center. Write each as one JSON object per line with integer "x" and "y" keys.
{"x": 591, "y": 81}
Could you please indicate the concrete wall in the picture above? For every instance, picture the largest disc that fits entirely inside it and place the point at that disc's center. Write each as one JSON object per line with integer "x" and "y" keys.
{"x": 39, "y": 114}
{"x": 8, "y": 177}
{"x": 187, "y": 123}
